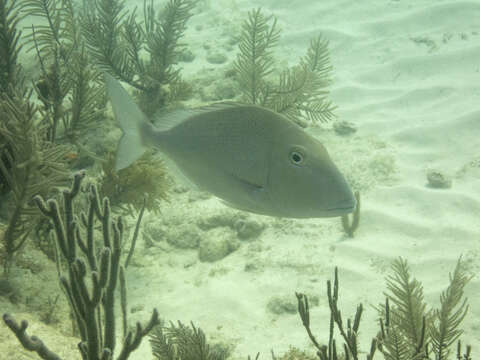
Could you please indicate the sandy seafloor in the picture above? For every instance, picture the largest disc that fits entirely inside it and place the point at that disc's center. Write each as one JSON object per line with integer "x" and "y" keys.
{"x": 407, "y": 75}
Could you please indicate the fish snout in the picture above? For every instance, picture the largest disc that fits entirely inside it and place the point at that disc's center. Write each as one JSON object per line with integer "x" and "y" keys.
{"x": 341, "y": 200}
{"x": 345, "y": 206}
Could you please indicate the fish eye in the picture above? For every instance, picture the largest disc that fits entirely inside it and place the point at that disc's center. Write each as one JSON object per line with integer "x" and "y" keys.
{"x": 296, "y": 157}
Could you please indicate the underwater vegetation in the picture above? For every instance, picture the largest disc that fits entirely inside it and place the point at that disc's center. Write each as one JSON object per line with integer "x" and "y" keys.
{"x": 408, "y": 328}
{"x": 45, "y": 127}
{"x": 36, "y": 138}
{"x": 69, "y": 88}
{"x": 297, "y": 92}
{"x": 30, "y": 164}
{"x": 10, "y": 72}
{"x": 42, "y": 139}
{"x": 107, "y": 35}
{"x": 147, "y": 176}
{"x": 116, "y": 39}
{"x": 182, "y": 342}
{"x": 89, "y": 277}
{"x": 349, "y": 227}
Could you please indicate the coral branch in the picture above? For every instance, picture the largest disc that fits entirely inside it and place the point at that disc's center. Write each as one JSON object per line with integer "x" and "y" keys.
{"x": 30, "y": 343}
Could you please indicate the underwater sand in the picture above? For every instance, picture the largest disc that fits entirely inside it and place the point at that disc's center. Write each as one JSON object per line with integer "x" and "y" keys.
{"x": 407, "y": 74}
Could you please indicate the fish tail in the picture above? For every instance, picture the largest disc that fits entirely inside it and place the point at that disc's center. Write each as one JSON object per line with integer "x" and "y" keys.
{"x": 131, "y": 120}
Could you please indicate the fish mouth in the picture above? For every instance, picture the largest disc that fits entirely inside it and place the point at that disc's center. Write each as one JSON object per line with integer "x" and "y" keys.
{"x": 338, "y": 211}
{"x": 342, "y": 209}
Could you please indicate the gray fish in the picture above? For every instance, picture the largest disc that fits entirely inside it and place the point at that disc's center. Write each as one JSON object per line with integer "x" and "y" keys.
{"x": 252, "y": 158}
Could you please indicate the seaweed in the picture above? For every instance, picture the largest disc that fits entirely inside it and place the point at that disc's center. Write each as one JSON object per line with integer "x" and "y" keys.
{"x": 349, "y": 333}
{"x": 444, "y": 328}
{"x": 10, "y": 70}
{"x": 349, "y": 227}
{"x": 11, "y": 77}
{"x": 30, "y": 166}
{"x": 143, "y": 184}
{"x": 299, "y": 91}
{"x": 163, "y": 33}
{"x": 59, "y": 33}
{"x": 48, "y": 313}
{"x": 302, "y": 89}
{"x": 86, "y": 99}
{"x": 115, "y": 39}
{"x": 294, "y": 353}
{"x": 255, "y": 60}
{"x": 70, "y": 89}
{"x": 407, "y": 329}
{"x": 29, "y": 163}
{"x": 102, "y": 23}
{"x": 54, "y": 55}
{"x": 181, "y": 342}
{"x": 89, "y": 279}
{"x": 408, "y": 315}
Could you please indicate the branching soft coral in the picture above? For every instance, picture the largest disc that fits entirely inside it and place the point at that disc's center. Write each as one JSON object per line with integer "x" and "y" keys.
{"x": 145, "y": 179}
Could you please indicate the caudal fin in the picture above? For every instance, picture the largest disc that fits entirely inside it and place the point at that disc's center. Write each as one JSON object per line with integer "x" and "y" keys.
{"x": 130, "y": 118}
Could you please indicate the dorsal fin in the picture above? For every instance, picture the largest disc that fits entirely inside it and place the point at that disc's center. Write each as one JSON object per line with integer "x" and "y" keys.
{"x": 167, "y": 120}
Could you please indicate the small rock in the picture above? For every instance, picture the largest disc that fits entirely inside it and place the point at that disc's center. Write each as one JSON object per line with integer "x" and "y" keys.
{"x": 184, "y": 236}
{"x": 137, "y": 308}
{"x": 248, "y": 228}
{"x": 233, "y": 41}
{"x": 230, "y": 73}
{"x": 216, "y": 58}
{"x": 196, "y": 195}
{"x": 438, "y": 180}
{"x": 279, "y": 305}
{"x": 186, "y": 56}
{"x": 253, "y": 266}
{"x": 224, "y": 218}
{"x": 223, "y": 91}
{"x": 156, "y": 232}
{"x": 180, "y": 189}
{"x": 217, "y": 245}
{"x": 9, "y": 291}
{"x": 344, "y": 128}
